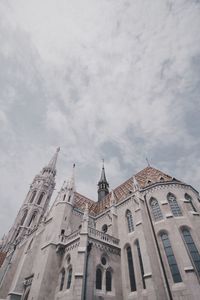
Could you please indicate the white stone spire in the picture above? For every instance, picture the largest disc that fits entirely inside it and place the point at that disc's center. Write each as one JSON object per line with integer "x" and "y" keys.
{"x": 136, "y": 186}
{"x": 51, "y": 167}
{"x": 112, "y": 199}
{"x": 52, "y": 162}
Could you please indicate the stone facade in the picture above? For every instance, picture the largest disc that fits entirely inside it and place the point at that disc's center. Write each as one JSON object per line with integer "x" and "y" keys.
{"x": 141, "y": 241}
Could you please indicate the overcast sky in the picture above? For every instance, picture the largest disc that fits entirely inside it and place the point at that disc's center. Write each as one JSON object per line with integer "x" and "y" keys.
{"x": 113, "y": 79}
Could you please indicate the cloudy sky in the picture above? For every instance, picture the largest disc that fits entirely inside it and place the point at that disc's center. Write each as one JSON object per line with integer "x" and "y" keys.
{"x": 113, "y": 79}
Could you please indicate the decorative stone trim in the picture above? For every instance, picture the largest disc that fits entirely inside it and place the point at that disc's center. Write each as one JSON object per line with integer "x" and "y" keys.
{"x": 147, "y": 275}
{"x": 194, "y": 213}
{"x": 81, "y": 249}
{"x": 169, "y": 216}
{"x": 79, "y": 275}
{"x": 105, "y": 248}
{"x": 137, "y": 209}
{"x": 189, "y": 269}
{"x": 138, "y": 223}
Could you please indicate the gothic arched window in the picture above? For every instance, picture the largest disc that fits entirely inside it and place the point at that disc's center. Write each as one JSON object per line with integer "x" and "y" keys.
{"x": 129, "y": 219}
{"x": 155, "y": 208}
{"x": 174, "y": 205}
{"x": 131, "y": 269}
{"x": 189, "y": 198}
{"x": 69, "y": 279}
{"x": 33, "y": 196}
{"x": 62, "y": 279}
{"x": 24, "y": 217}
{"x": 141, "y": 263}
{"x": 98, "y": 279}
{"x": 32, "y": 218}
{"x": 108, "y": 281}
{"x": 40, "y": 198}
{"x": 171, "y": 258}
{"x": 192, "y": 249}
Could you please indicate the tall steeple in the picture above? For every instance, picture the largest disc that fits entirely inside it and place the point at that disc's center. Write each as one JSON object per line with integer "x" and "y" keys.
{"x": 35, "y": 203}
{"x": 51, "y": 167}
{"x": 103, "y": 185}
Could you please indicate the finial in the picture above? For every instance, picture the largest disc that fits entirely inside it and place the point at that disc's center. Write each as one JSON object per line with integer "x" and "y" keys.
{"x": 112, "y": 198}
{"x": 148, "y": 163}
{"x": 102, "y": 163}
{"x": 136, "y": 186}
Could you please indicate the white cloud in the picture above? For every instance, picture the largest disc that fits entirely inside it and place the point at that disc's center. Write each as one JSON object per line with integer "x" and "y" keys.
{"x": 98, "y": 78}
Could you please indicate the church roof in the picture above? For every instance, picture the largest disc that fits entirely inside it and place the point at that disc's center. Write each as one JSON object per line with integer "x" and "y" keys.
{"x": 145, "y": 178}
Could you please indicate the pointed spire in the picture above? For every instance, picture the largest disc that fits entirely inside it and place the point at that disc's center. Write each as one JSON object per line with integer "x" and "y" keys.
{"x": 112, "y": 198}
{"x": 86, "y": 212}
{"x": 52, "y": 162}
{"x": 103, "y": 185}
{"x": 70, "y": 185}
{"x": 51, "y": 167}
{"x": 136, "y": 186}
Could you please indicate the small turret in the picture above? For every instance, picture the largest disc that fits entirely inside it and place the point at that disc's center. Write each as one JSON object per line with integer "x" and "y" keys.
{"x": 103, "y": 185}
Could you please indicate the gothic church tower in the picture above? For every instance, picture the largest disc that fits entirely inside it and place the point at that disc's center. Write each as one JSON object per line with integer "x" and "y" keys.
{"x": 35, "y": 204}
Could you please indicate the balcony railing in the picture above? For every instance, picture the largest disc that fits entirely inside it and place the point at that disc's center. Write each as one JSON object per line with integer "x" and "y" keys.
{"x": 68, "y": 238}
{"x": 99, "y": 235}
{"x": 94, "y": 233}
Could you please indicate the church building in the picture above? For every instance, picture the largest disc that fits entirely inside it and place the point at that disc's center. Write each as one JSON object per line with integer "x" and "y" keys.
{"x": 140, "y": 240}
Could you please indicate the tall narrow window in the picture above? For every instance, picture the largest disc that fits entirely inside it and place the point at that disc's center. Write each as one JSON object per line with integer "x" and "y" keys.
{"x": 174, "y": 205}
{"x": 171, "y": 258}
{"x": 129, "y": 219}
{"x": 189, "y": 198}
{"x": 40, "y": 198}
{"x": 108, "y": 281}
{"x": 98, "y": 279}
{"x": 141, "y": 263}
{"x": 32, "y": 218}
{"x": 24, "y": 217}
{"x": 192, "y": 249}
{"x": 131, "y": 269}
{"x": 69, "y": 279}
{"x": 62, "y": 279}
{"x": 32, "y": 196}
{"x": 155, "y": 208}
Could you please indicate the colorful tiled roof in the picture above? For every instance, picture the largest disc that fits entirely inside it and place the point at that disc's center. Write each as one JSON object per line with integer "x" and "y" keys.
{"x": 145, "y": 178}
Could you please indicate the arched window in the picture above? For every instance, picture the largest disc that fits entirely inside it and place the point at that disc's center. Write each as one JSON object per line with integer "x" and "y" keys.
{"x": 189, "y": 198}
{"x": 171, "y": 258}
{"x": 69, "y": 279}
{"x": 174, "y": 205}
{"x": 129, "y": 219}
{"x": 62, "y": 279}
{"x": 33, "y": 196}
{"x": 141, "y": 263}
{"x": 64, "y": 197}
{"x": 32, "y": 218}
{"x": 108, "y": 281}
{"x": 40, "y": 198}
{"x": 98, "y": 279}
{"x": 155, "y": 208}
{"x": 192, "y": 249}
{"x": 30, "y": 244}
{"x": 105, "y": 228}
{"x": 27, "y": 292}
{"x": 131, "y": 269}
{"x": 24, "y": 217}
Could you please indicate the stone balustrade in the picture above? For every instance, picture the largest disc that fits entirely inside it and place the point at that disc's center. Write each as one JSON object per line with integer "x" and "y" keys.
{"x": 99, "y": 235}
